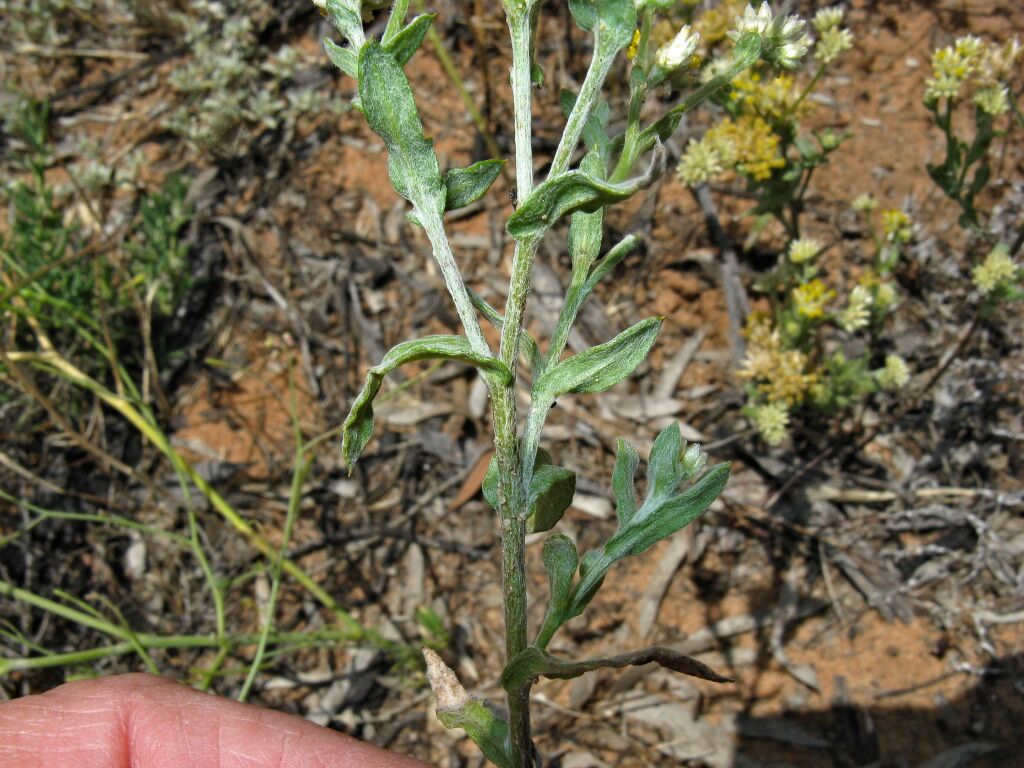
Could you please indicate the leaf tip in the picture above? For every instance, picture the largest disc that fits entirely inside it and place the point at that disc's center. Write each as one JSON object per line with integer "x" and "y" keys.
{"x": 451, "y": 696}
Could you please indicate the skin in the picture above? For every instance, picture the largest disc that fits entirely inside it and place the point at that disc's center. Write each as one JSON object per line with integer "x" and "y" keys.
{"x": 142, "y": 721}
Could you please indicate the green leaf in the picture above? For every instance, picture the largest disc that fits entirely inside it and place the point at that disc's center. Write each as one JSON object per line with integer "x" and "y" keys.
{"x": 560, "y": 561}
{"x": 343, "y": 58}
{"x": 598, "y": 368}
{"x": 358, "y": 426}
{"x": 403, "y": 45}
{"x": 457, "y": 709}
{"x": 347, "y": 17}
{"x": 667, "y": 508}
{"x": 551, "y": 492}
{"x": 467, "y": 185}
{"x": 391, "y": 112}
{"x": 616, "y": 18}
{"x": 570, "y": 192}
{"x": 532, "y": 663}
{"x": 585, "y": 229}
{"x": 663, "y": 512}
{"x": 626, "y": 462}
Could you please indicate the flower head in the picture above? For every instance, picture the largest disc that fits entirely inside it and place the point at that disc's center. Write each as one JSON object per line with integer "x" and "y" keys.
{"x": 865, "y": 203}
{"x": 885, "y": 295}
{"x": 994, "y": 100}
{"x": 699, "y": 163}
{"x": 673, "y": 55}
{"x": 997, "y": 268}
{"x": 747, "y": 143}
{"x": 833, "y": 42}
{"x": 812, "y": 298}
{"x": 857, "y": 312}
{"x": 784, "y": 42}
{"x": 896, "y": 225}
{"x": 894, "y": 375}
{"x": 804, "y": 249}
{"x": 827, "y": 18}
{"x": 758, "y": 22}
{"x": 772, "y": 422}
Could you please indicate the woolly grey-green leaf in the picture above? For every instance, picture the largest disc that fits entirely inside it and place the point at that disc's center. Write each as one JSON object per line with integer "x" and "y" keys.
{"x": 598, "y": 368}
{"x": 343, "y": 58}
{"x": 467, "y": 185}
{"x": 663, "y": 512}
{"x": 391, "y": 112}
{"x": 403, "y": 45}
{"x": 666, "y": 508}
{"x": 585, "y": 229}
{"x": 358, "y": 426}
{"x": 626, "y": 462}
{"x": 347, "y": 17}
{"x": 560, "y": 561}
{"x": 570, "y": 192}
{"x": 486, "y": 729}
{"x": 618, "y": 18}
{"x": 551, "y": 492}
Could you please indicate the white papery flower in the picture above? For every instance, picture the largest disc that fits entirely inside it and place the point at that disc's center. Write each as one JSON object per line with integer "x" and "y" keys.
{"x": 785, "y": 42}
{"x": 676, "y": 53}
{"x": 759, "y": 21}
{"x": 827, "y": 18}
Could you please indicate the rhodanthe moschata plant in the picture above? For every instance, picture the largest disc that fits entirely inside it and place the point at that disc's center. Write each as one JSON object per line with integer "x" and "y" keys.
{"x": 529, "y": 492}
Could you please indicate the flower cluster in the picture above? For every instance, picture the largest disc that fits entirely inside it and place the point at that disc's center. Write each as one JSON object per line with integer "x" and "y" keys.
{"x": 795, "y": 354}
{"x": 832, "y": 39}
{"x": 971, "y": 62}
{"x": 773, "y": 98}
{"x": 746, "y": 144}
{"x": 784, "y": 41}
{"x": 764, "y": 107}
{"x": 997, "y": 268}
{"x": 782, "y": 375}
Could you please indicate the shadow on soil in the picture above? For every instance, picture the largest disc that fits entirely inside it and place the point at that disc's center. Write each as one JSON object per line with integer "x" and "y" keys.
{"x": 981, "y": 729}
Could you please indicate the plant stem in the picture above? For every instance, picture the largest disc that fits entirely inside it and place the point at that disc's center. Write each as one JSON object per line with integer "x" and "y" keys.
{"x": 434, "y": 227}
{"x": 512, "y": 504}
{"x": 600, "y": 65}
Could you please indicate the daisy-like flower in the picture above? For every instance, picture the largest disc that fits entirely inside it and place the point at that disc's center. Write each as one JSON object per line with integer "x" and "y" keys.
{"x": 772, "y": 422}
{"x": 700, "y": 162}
{"x": 803, "y": 250}
{"x": 827, "y": 18}
{"x": 857, "y": 312}
{"x": 997, "y": 268}
{"x": 894, "y": 375}
{"x": 678, "y": 52}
